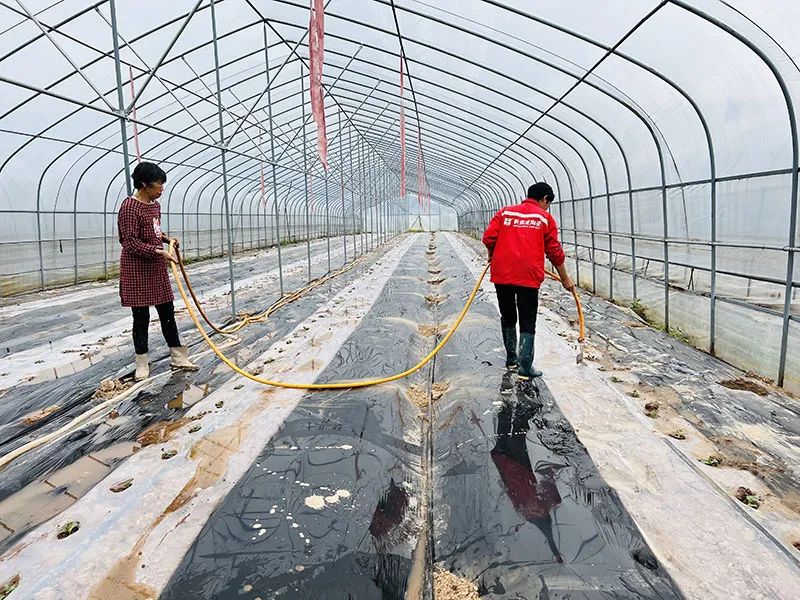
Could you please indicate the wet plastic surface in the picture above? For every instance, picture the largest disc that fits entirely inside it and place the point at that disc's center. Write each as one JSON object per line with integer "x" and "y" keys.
{"x": 517, "y": 504}
{"x": 755, "y": 433}
{"x": 155, "y": 403}
{"x": 331, "y": 508}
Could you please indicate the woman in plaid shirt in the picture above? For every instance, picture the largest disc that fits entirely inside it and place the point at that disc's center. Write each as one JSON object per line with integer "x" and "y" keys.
{"x": 143, "y": 278}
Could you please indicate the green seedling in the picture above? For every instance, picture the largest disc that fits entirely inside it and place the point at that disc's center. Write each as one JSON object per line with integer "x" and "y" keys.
{"x": 68, "y": 529}
{"x": 747, "y": 496}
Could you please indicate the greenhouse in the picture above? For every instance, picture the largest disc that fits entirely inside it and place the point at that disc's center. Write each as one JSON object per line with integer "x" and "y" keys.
{"x": 339, "y": 396}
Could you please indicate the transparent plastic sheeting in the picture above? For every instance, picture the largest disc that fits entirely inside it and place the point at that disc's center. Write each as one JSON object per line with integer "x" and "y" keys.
{"x": 668, "y": 129}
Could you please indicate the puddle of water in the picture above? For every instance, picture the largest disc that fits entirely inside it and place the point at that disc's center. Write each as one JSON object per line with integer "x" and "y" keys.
{"x": 159, "y": 432}
{"x": 45, "y": 498}
{"x": 212, "y": 454}
{"x": 310, "y": 512}
{"x": 555, "y": 517}
{"x": 532, "y": 497}
{"x": 189, "y": 397}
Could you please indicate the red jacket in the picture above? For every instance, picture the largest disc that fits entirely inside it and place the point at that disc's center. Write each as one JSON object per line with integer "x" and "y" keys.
{"x": 518, "y": 238}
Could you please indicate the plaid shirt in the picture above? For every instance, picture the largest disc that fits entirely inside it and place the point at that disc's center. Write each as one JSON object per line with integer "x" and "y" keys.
{"x": 143, "y": 278}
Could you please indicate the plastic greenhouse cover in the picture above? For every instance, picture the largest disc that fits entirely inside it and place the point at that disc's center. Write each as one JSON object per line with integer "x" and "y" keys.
{"x": 714, "y": 76}
{"x": 604, "y": 100}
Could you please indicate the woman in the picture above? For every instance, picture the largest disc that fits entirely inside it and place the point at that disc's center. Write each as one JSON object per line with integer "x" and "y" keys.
{"x": 143, "y": 278}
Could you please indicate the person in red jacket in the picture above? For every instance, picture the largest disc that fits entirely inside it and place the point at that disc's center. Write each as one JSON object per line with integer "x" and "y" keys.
{"x": 518, "y": 239}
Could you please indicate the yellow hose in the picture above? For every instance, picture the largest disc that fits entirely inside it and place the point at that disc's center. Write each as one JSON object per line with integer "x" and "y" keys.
{"x": 335, "y": 385}
{"x": 581, "y": 327}
{"x": 247, "y": 319}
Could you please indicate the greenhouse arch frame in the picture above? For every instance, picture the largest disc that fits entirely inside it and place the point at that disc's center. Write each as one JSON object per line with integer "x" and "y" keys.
{"x": 668, "y": 129}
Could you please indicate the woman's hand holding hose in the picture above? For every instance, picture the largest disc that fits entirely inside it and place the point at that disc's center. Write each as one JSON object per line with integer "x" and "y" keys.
{"x": 168, "y": 255}
{"x": 174, "y": 244}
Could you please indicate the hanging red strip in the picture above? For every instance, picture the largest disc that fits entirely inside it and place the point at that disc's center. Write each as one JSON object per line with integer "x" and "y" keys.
{"x": 316, "y": 52}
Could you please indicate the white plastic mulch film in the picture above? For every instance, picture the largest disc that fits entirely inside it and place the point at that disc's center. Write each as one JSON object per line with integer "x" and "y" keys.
{"x": 665, "y": 127}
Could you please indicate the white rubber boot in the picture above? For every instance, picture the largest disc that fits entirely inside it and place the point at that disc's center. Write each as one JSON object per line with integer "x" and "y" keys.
{"x": 142, "y": 367}
{"x": 180, "y": 359}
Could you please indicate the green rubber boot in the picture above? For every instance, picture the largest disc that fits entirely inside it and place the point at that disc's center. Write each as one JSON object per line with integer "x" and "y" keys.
{"x": 510, "y": 342}
{"x": 526, "y": 370}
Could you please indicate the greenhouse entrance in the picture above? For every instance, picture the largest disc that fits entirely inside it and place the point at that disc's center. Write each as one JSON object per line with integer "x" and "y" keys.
{"x": 326, "y": 404}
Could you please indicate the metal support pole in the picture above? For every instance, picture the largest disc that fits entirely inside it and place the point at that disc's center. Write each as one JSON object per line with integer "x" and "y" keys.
{"x": 666, "y": 251}
{"x": 197, "y": 222}
{"x": 259, "y": 201}
{"x": 368, "y": 199}
{"x": 357, "y": 199}
{"x": 352, "y": 187}
{"x": 371, "y": 200}
{"x": 594, "y": 244}
{"x": 39, "y": 240}
{"x": 610, "y": 242}
{"x": 362, "y": 180}
{"x": 387, "y": 195}
{"x": 125, "y": 156}
{"x": 378, "y": 210}
{"x": 305, "y": 167}
{"x": 327, "y": 222}
{"x": 222, "y": 150}
{"x": 575, "y": 239}
{"x": 274, "y": 170}
{"x": 359, "y": 196}
{"x": 713, "y": 308}
{"x": 633, "y": 239}
{"x": 341, "y": 170}
{"x": 381, "y": 209}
